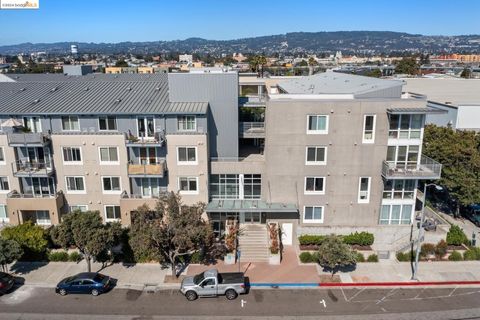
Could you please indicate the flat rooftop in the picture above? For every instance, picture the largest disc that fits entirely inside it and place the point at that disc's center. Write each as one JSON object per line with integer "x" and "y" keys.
{"x": 446, "y": 91}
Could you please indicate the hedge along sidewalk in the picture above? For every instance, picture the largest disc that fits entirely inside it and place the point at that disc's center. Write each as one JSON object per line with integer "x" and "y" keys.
{"x": 128, "y": 275}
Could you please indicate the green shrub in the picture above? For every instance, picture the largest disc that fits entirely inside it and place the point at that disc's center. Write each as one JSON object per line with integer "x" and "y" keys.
{"x": 472, "y": 254}
{"x": 308, "y": 239}
{"x": 307, "y": 257}
{"x": 455, "y": 256}
{"x": 196, "y": 258}
{"x": 58, "y": 256}
{"x": 456, "y": 236}
{"x": 359, "y": 257}
{"x": 360, "y": 239}
{"x": 441, "y": 249}
{"x": 427, "y": 249}
{"x": 31, "y": 238}
{"x": 372, "y": 258}
{"x": 75, "y": 257}
{"x": 405, "y": 256}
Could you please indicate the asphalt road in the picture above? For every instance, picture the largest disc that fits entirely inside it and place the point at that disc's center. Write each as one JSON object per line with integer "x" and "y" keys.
{"x": 30, "y": 302}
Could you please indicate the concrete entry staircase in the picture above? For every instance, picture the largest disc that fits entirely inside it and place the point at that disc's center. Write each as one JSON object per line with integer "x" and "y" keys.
{"x": 253, "y": 243}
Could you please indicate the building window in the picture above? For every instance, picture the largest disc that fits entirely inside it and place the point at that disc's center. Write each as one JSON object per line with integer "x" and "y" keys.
{"x": 146, "y": 127}
{"x": 313, "y": 214}
{"x": 111, "y": 184}
{"x": 186, "y": 123}
{"x": 42, "y": 217}
{"x": 404, "y": 157}
{"x": 72, "y": 155}
{"x": 150, "y": 187}
{"x": 188, "y": 185}
{"x": 107, "y": 123}
{"x": 396, "y": 214}
{"x": 4, "y": 185}
{"x": 2, "y": 156}
{"x": 70, "y": 123}
{"x": 108, "y": 155}
{"x": 405, "y": 126}
{"x": 368, "y": 129}
{"x": 32, "y": 124}
{"x": 224, "y": 186}
{"x": 75, "y": 184}
{"x": 3, "y": 214}
{"x": 316, "y": 155}
{"x": 315, "y": 185}
{"x": 112, "y": 213}
{"x": 79, "y": 207}
{"x": 364, "y": 190}
{"x": 398, "y": 189}
{"x": 317, "y": 124}
{"x": 187, "y": 155}
{"x": 252, "y": 186}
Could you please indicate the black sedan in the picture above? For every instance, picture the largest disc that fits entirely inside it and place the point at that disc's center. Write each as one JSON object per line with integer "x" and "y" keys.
{"x": 86, "y": 282}
{"x": 6, "y": 282}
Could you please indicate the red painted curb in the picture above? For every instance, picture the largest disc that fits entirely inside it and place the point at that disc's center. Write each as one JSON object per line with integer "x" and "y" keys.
{"x": 398, "y": 284}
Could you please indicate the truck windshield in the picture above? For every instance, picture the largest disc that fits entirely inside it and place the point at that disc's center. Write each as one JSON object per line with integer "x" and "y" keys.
{"x": 198, "y": 278}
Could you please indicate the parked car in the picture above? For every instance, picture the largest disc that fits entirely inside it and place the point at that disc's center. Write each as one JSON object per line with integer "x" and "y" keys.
{"x": 211, "y": 283}
{"x": 6, "y": 282}
{"x": 86, "y": 282}
{"x": 473, "y": 214}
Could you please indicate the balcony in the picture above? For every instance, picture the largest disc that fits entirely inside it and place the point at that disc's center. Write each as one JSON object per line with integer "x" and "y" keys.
{"x": 251, "y": 129}
{"x": 33, "y": 169}
{"x": 26, "y": 206}
{"x": 254, "y": 101}
{"x": 28, "y": 139}
{"x": 130, "y": 202}
{"x": 428, "y": 169}
{"x": 157, "y": 140}
{"x": 150, "y": 170}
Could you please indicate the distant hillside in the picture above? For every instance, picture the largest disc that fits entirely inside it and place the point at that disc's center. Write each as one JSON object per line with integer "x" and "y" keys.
{"x": 349, "y": 42}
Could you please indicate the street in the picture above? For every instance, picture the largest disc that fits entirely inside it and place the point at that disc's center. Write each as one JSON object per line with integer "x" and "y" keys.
{"x": 29, "y": 302}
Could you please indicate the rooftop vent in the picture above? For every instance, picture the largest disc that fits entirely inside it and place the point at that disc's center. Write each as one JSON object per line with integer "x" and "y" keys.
{"x": 36, "y": 101}
{"x": 129, "y": 89}
{"x": 157, "y": 88}
{"x": 23, "y": 89}
{"x": 54, "y": 89}
{"x": 118, "y": 100}
{"x": 86, "y": 89}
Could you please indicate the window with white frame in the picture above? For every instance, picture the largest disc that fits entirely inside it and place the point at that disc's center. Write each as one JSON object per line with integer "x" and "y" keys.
{"x": 316, "y": 155}
{"x": 225, "y": 186}
{"x": 186, "y": 123}
{"x": 32, "y": 124}
{"x": 107, "y": 123}
{"x": 405, "y": 126}
{"x": 43, "y": 217}
{"x": 72, "y": 155}
{"x": 108, "y": 155}
{"x": 314, "y": 185}
{"x": 79, "y": 207}
{"x": 396, "y": 214}
{"x": 70, "y": 123}
{"x": 111, "y": 184}
{"x": 4, "y": 185}
{"x": 403, "y": 157}
{"x": 398, "y": 189}
{"x": 3, "y": 214}
{"x": 75, "y": 184}
{"x": 146, "y": 127}
{"x": 188, "y": 185}
{"x": 313, "y": 214}
{"x": 150, "y": 187}
{"x": 187, "y": 155}
{"x": 369, "y": 128}
{"x": 364, "y": 190}
{"x": 317, "y": 124}
{"x": 2, "y": 156}
{"x": 112, "y": 213}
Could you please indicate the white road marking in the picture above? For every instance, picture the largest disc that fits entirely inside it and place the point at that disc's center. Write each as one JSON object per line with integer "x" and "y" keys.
{"x": 243, "y": 303}
{"x": 344, "y": 296}
{"x": 356, "y": 294}
{"x": 18, "y": 296}
{"x": 323, "y": 302}
{"x": 391, "y": 292}
{"x": 453, "y": 291}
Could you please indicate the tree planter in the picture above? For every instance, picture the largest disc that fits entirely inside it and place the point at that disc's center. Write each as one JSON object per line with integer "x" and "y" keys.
{"x": 274, "y": 259}
{"x": 230, "y": 258}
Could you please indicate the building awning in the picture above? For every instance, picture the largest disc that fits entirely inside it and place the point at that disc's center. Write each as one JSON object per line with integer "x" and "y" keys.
{"x": 415, "y": 110}
{"x": 249, "y": 206}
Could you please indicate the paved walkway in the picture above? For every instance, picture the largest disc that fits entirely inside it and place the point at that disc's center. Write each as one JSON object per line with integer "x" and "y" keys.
{"x": 468, "y": 227}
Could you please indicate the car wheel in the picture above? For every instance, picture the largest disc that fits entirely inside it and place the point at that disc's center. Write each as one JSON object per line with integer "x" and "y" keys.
{"x": 231, "y": 294}
{"x": 63, "y": 292}
{"x": 95, "y": 292}
{"x": 191, "y": 295}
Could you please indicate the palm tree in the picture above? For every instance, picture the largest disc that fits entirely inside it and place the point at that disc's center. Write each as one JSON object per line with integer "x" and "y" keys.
{"x": 311, "y": 62}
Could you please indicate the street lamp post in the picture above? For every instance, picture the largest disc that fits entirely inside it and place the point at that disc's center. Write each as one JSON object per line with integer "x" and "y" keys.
{"x": 421, "y": 231}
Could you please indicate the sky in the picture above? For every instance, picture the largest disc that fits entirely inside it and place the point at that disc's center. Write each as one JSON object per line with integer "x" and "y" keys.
{"x": 150, "y": 20}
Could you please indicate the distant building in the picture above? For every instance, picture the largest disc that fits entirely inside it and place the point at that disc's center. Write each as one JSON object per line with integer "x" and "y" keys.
{"x": 77, "y": 70}
{"x": 185, "y": 59}
{"x": 74, "y": 49}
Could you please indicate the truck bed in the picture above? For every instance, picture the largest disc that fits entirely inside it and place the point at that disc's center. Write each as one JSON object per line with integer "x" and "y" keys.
{"x": 231, "y": 278}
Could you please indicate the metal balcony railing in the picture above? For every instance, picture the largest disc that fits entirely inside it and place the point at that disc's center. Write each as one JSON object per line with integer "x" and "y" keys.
{"x": 28, "y": 138}
{"x": 17, "y": 195}
{"x": 156, "y": 169}
{"x": 154, "y": 195}
{"x": 252, "y": 100}
{"x": 252, "y": 129}
{"x": 428, "y": 169}
{"x": 32, "y": 168}
{"x": 158, "y": 139}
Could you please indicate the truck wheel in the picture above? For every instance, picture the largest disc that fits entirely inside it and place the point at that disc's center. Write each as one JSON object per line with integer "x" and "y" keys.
{"x": 231, "y": 294}
{"x": 191, "y": 295}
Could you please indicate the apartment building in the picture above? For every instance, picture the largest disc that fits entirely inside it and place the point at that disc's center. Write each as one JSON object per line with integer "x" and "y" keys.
{"x": 319, "y": 154}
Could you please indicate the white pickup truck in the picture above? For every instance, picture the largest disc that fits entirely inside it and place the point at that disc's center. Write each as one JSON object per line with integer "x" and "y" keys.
{"x": 211, "y": 283}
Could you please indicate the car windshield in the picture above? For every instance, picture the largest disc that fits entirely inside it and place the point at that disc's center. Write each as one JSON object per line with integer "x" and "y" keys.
{"x": 198, "y": 278}
{"x": 100, "y": 278}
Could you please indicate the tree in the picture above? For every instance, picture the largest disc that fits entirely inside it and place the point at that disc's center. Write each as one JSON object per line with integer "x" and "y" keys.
{"x": 459, "y": 153}
{"x": 257, "y": 63}
{"x": 466, "y": 73}
{"x": 31, "y": 238}
{"x": 121, "y": 63}
{"x": 86, "y": 231}
{"x": 333, "y": 253}
{"x": 375, "y": 73}
{"x": 10, "y": 251}
{"x": 171, "y": 231}
{"x": 407, "y": 65}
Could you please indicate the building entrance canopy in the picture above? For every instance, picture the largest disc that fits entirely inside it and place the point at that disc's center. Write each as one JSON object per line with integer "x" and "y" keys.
{"x": 250, "y": 206}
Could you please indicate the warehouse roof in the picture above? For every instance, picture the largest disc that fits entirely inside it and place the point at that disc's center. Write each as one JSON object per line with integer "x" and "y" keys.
{"x": 94, "y": 94}
{"x": 55, "y": 77}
